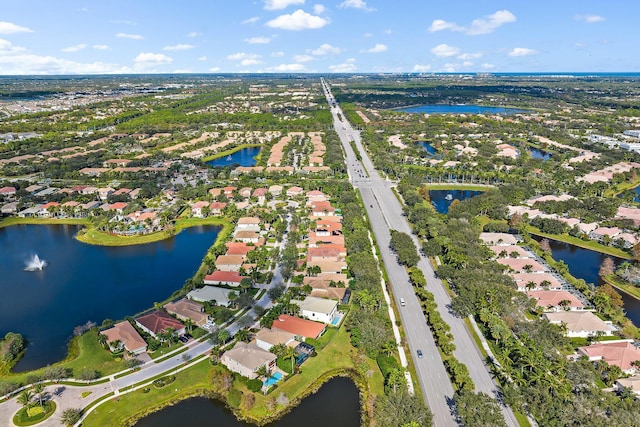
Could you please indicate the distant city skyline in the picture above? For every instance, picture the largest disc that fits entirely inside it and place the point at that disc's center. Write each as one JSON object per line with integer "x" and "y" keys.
{"x": 302, "y": 36}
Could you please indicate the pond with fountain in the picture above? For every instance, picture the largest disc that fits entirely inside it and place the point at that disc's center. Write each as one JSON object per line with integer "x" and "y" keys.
{"x": 67, "y": 283}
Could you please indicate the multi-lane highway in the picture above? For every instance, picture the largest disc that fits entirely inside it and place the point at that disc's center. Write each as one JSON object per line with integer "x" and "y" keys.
{"x": 385, "y": 212}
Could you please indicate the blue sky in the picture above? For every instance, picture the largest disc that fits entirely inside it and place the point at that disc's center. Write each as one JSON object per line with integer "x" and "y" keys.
{"x": 199, "y": 36}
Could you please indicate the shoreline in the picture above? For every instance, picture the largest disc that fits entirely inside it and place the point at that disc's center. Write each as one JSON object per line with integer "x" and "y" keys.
{"x": 614, "y": 252}
{"x": 228, "y": 152}
{"x": 91, "y": 236}
{"x": 458, "y": 186}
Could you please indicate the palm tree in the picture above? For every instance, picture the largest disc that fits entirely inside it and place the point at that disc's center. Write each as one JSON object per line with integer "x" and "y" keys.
{"x": 262, "y": 371}
{"x": 188, "y": 323}
{"x": 38, "y": 389}
{"x": 25, "y": 398}
{"x": 242, "y": 335}
{"x": 70, "y": 416}
{"x": 290, "y": 353}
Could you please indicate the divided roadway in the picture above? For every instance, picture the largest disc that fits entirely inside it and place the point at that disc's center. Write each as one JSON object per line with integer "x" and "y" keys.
{"x": 385, "y": 212}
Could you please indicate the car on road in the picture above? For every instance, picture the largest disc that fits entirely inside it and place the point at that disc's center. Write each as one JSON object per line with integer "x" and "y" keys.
{"x": 402, "y": 302}
{"x": 419, "y": 353}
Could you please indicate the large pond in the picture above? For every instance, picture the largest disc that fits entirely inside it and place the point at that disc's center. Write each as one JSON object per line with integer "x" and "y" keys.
{"x": 459, "y": 109}
{"x": 585, "y": 264}
{"x": 442, "y": 199}
{"x": 539, "y": 154}
{"x": 243, "y": 157}
{"x": 335, "y": 404}
{"x": 84, "y": 282}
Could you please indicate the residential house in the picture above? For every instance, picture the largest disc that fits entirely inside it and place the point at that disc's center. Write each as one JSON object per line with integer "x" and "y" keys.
{"x": 522, "y": 265}
{"x": 318, "y": 309}
{"x": 556, "y": 300}
{"x": 118, "y": 207}
{"x": 275, "y": 190}
{"x": 536, "y": 281}
{"x": 211, "y": 293}
{"x": 498, "y": 239}
{"x": 238, "y": 248}
{"x": 228, "y": 191}
{"x": 294, "y": 191}
{"x": 581, "y": 324}
{"x": 196, "y": 209}
{"x": 229, "y": 262}
{"x": 301, "y": 328}
{"x": 7, "y": 191}
{"x": 326, "y": 253}
{"x": 267, "y": 338}
{"x": 315, "y": 196}
{"x": 185, "y": 309}
{"x": 245, "y": 192}
{"x": 112, "y": 163}
{"x": 128, "y": 337}
{"x": 246, "y": 236}
{"x": 105, "y": 192}
{"x": 261, "y": 195}
{"x": 250, "y": 223}
{"x": 216, "y": 208}
{"x": 602, "y": 233}
{"x": 158, "y": 322}
{"x": 631, "y": 383}
{"x": 9, "y": 208}
{"x": 229, "y": 278}
{"x": 329, "y": 266}
{"x": 246, "y": 359}
{"x": 620, "y": 353}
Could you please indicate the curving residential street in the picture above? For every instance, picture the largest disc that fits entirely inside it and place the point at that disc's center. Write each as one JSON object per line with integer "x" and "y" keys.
{"x": 385, "y": 212}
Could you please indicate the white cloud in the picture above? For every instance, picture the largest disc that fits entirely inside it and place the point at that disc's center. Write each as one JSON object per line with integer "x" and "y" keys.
{"x": 75, "y": 48}
{"x": 449, "y": 68}
{"x": 150, "y": 59}
{"x": 346, "y": 67}
{"x": 258, "y": 40}
{"x": 444, "y": 50}
{"x": 488, "y": 66}
{"x": 41, "y": 65}
{"x": 326, "y": 49}
{"x": 287, "y": 68}
{"x": 11, "y": 28}
{"x": 239, "y": 56}
{"x": 6, "y": 48}
{"x": 298, "y": 20}
{"x": 522, "y": 51}
{"x": 101, "y": 47}
{"x": 303, "y": 58}
{"x": 367, "y": 35}
{"x": 388, "y": 32}
{"x": 129, "y": 36}
{"x": 467, "y": 64}
{"x": 250, "y": 61}
{"x": 278, "y": 54}
{"x": 125, "y": 22}
{"x": 280, "y": 4}
{"x": 182, "y": 71}
{"x": 193, "y": 34}
{"x": 202, "y": 58}
{"x": 418, "y": 68}
{"x": 356, "y": 4}
{"x": 251, "y": 20}
{"x": 590, "y": 19}
{"x": 179, "y": 47}
{"x": 318, "y": 9}
{"x": 485, "y": 25}
{"x": 470, "y": 55}
{"x": 378, "y": 48}
{"x": 214, "y": 69}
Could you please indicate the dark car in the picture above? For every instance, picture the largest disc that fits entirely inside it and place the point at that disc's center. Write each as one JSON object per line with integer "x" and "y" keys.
{"x": 419, "y": 353}
{"x": 183, "y": 339}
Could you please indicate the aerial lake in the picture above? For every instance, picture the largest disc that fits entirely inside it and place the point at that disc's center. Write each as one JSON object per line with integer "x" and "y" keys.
{"x": 84, "y": 282}
{"x": 459, "y": 109}
{"x": 585, "y": 264}
{"x": 442, "y": 199}
{"x": 431, "y": 150}
{"x": 335, "y": 404}
{"x": 243, "y": 157}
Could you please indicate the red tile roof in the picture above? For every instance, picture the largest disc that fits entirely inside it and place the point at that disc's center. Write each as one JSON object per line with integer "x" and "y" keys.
{"x": 223, "y": 276}
{"x": 621, "y": 354}
{"x": 159, "y": 321}
{"x": 298, "y": 326}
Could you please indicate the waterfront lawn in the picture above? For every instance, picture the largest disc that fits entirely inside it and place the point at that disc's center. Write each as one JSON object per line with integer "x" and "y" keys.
{"x": 190, "y": 382}
{"x": 15, "y": 220}
{"x": 623, "y": 285}
{"x": 93, "y": 236}
{"x": 576, "y": 241}
{"x": 84, "y": 351}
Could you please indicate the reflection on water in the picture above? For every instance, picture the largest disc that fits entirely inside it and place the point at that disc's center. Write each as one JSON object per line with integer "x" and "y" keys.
{"x": 442, "y": 199}
{"x": 243, "y": 157}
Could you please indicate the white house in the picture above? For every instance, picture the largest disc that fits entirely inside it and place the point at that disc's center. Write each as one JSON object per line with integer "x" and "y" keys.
{"x": 318, "y": 309}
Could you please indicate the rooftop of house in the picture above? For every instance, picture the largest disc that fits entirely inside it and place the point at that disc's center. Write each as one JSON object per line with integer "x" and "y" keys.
{"x": 159, "y": 321}
{"x": 250, "y": 355}
{"x": 298, "y": 326}
{"x": 619, "y": 353}
{"x": 127, "y": 334}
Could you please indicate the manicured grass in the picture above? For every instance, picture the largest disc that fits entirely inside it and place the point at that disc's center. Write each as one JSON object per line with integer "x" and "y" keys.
{"x": 34, "y": 415}
{"x": 163, "y": 351}
{"x": 189, "y": 382}
{"x": 14, "y": 220}
{"x": 475, "y": 337}
{"x": 459, "y": 186}
{"x": 624, "y": 286}
{"x": 84, "y": 351}
{"x": 522, "y": 419}
{"x": 587, "y": 244}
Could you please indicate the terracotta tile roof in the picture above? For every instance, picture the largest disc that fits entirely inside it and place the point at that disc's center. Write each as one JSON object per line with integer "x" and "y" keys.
{"x": 295, "y": 325}
{"x": 127, "y": 334}
{"x": 159, "y": 321}
{"x": 223, "y": 277}
{"x": 618, "y": 353}
{"x": 553, "y": 298}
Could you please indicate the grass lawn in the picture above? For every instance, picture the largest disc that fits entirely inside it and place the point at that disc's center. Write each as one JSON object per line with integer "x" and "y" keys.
{"x": 34, "y": 415}
{"x": 163, "y": 351}
{"x": 624, "y": 286}
{"x": 92, "y": 236}
{"x": 85, "y": 351}
{"x": 587, "y": 244}
{"x": 14, "y": 220}
{"x": 188, "y": 382}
